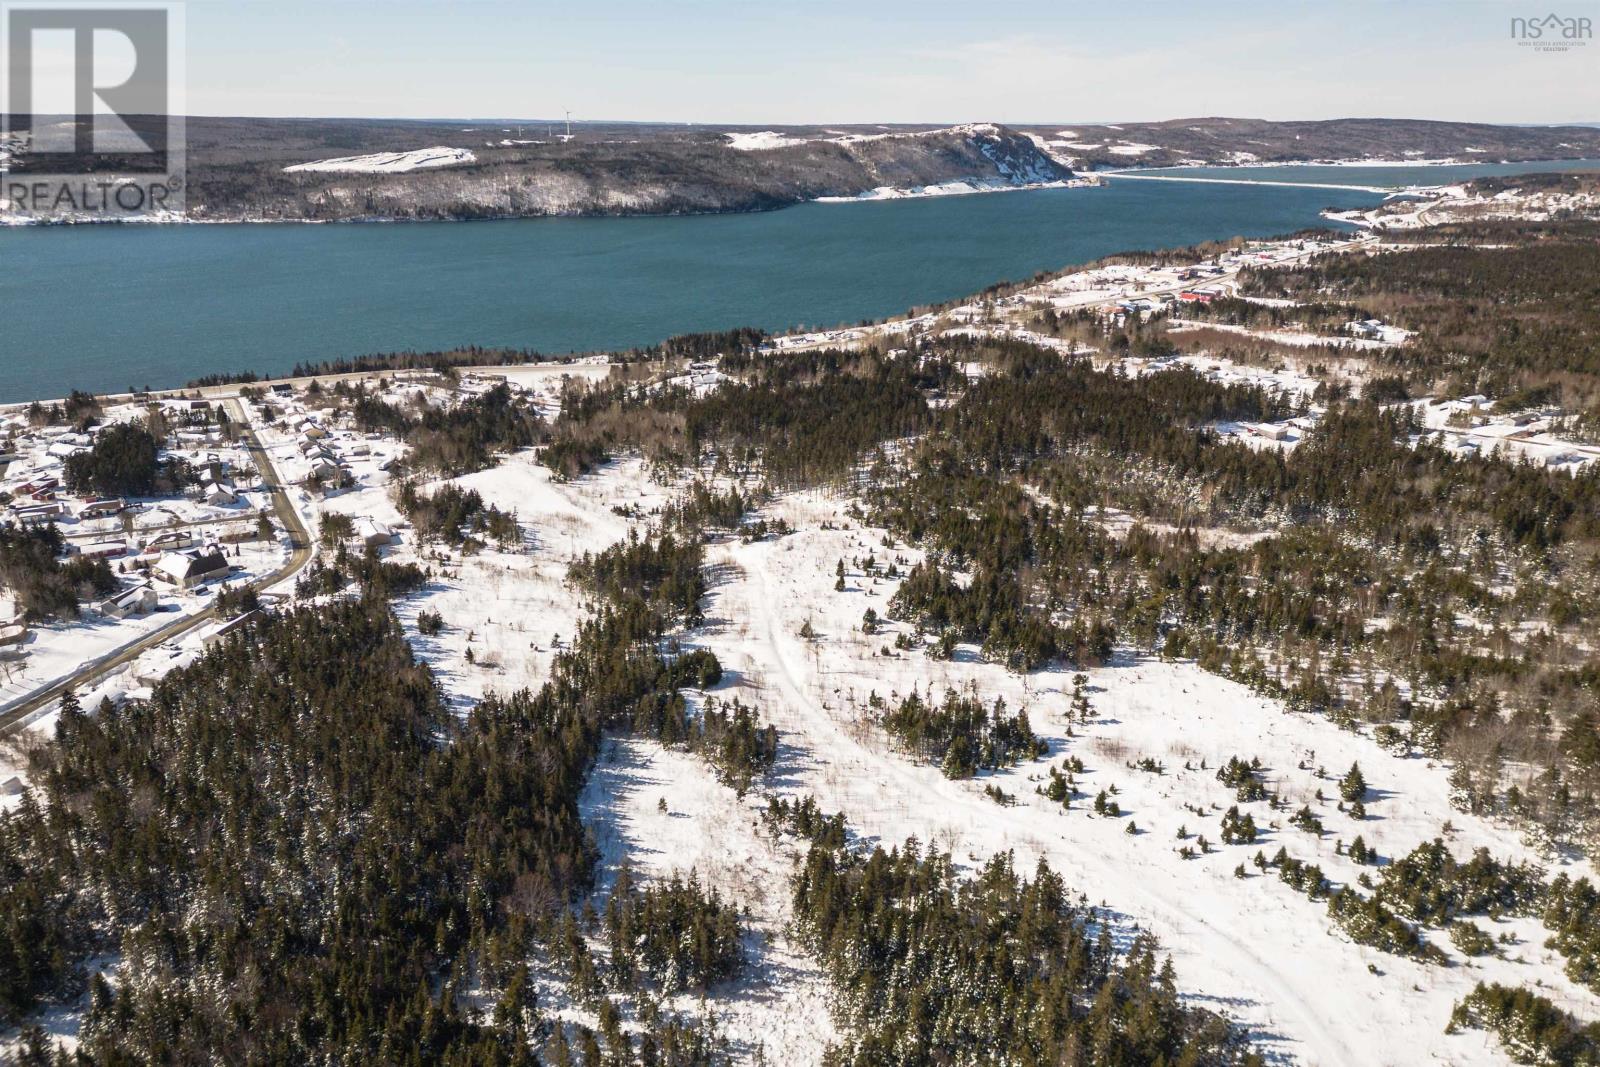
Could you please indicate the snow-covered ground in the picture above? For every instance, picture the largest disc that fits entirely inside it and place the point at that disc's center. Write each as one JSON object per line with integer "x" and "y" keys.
{"x": 1117, "y": 522}
{"x": 762, "y": 139}
{"x": 387, "y": 162}
{"x": 778, "y": 1010}
{"x": 1251, "y": 948}
{"x": 1103, "y": 288}
{"x": 58, "y": 649}
{"x": 1298, "y": 338}
{"x": 1468, "y": 425}
{"x": 954, "y": 188}
{"x": 509, "y": 607}
{"x": 759, "y": 140}
{"x": 1427, "y": 206}
{"x": 1282, "y": 379}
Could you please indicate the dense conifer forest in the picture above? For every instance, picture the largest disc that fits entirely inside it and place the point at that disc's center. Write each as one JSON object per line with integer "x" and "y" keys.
{"x": 318, "y": 880}
{"x": 919, "y": 957}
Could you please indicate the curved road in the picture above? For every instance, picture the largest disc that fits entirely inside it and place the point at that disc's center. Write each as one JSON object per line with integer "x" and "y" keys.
{"x": 19, "y": 713}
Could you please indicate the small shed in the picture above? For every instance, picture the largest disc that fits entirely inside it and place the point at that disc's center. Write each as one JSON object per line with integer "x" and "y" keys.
{"x": 374, "y": 534}
{"x": 221, "y": 631}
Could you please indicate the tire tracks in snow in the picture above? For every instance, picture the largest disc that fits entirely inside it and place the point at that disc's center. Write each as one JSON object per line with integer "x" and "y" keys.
{"x": 1284, "y": 1008}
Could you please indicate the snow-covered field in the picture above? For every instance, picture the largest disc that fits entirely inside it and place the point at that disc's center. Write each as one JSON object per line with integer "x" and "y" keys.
{"x": 779, "y": 1010}
{"x": 1253, "y": 948}
{"x": 762, "y": 139}
{"x": 1431, "y": 205}
{"x": 1466, "y": 425}
{"x": 1260, "y": 952}
{"x": 1299, "y": 338}
{"x": 1280, "y": 379}
{"x": 510, "y": 607}
{"x": 1247, "y": 946}
{"x": 387, "y": 162}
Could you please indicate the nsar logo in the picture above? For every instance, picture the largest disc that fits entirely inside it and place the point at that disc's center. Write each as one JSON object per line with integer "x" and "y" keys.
{"x": 1552, "y": 33}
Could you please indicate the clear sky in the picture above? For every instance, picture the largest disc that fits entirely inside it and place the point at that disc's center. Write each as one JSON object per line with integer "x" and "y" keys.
{"x": 771, "y": 61}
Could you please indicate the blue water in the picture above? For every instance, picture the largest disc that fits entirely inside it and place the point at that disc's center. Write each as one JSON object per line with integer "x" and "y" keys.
{"x": 106, "y": 308}
{"x": 1387, "y": 177}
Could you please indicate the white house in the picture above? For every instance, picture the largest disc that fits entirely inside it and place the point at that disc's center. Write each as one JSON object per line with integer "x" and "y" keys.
{"x": 171, "y": 541}
{"x": 37, "y": 514}
{"x": 325, "y": 470}
{"x": 100, "y": 509}
{"x": 99, "y": 550}
{"x": 189, "y": 569}
{"x": 140, "y": 599}
{"x": 218, "y": 494}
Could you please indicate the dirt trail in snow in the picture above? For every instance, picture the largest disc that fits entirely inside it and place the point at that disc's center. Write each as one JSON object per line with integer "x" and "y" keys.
{"x": 1254, "y": 948}
{"x": 1288, "y": 1003}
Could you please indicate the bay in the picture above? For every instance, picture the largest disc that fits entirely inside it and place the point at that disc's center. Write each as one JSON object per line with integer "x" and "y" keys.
{"x": 104, "y": 308}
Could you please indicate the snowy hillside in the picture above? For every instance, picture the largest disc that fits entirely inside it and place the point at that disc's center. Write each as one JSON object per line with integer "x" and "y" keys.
{"x": 386, "y": 162}
{"x": 623, "y": 173}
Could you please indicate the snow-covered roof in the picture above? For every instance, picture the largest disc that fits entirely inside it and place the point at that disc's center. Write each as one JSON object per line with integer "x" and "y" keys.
{"x": 182, "y": 565}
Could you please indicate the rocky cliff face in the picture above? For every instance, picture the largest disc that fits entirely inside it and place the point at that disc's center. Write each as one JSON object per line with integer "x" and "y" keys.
{"x": 705, "y": 173}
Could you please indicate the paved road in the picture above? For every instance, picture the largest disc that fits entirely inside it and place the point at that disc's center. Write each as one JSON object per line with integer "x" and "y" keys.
{"x": 17, "y": 714}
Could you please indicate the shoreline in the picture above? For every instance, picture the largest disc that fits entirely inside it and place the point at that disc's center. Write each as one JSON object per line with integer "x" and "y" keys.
{"x": 576, "y": 357}
{"x": 1442, "y": 161}
{"x": 884, "y": 193}
{"x": 1198, "y": 180}
{"x": 881, "y": 194}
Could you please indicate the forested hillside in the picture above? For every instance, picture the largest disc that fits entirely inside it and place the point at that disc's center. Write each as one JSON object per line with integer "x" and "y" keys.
{"x": 238, "y": 169}
{"x": 1241, "y": 140}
